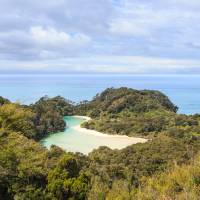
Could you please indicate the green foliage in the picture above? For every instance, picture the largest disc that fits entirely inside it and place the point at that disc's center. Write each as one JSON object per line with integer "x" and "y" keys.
{"x": 37, "y": 120}
{"x": 62, "y": 106}
{"x": 178, "y": 183}
{"x": 21, "y": 163}
{"x": 135, "y": 113}
{"x": 3, "y": 101}
{"x": 117, "y": 100}
{"x": 49, "y": 115}
{"x": 14, "y": 117}
{"x": 162, "y": 168}
{"x": 129, "y": 165}
{"x": 29, "y": 171}
{"x": 66, "y": 181}
{"x": 181, "y": 183}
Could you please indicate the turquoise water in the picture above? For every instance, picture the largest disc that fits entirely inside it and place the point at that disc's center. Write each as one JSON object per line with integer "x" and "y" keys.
{"x": 76, "y": 141}
{"x": 183, "y": 90}
{"x": 70, "y": 139}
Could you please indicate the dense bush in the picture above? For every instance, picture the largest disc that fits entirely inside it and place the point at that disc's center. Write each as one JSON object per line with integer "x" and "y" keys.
{"x": 14, "y": 117}
{"x": 49, "y": 113}
{"x": 117, "y": 100}
{"x": 135, "y": 113}
{"x": 181, "y": 183}
{"x": 29, "y": 171}
{"x": 162, "y": 168}
{"x": 3, "y": 101}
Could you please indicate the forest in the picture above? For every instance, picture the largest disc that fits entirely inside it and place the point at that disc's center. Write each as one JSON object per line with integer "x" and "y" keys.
{"x": 167, "y": 167}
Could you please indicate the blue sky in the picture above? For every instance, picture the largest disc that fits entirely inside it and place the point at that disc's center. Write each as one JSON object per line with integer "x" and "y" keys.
{"x": 100, "y": 36}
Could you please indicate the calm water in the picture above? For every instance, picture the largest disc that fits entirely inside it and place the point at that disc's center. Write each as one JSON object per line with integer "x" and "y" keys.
{"x": 76, "y": 141}
{"x": 183, "y": 90}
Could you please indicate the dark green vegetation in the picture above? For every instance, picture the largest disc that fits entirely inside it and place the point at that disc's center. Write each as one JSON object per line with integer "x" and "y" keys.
{"x": 48, "y": 115}
{"x": 29, "y": 171}
{"x": 166, "y": 167}
{"x": 131, "y": 112}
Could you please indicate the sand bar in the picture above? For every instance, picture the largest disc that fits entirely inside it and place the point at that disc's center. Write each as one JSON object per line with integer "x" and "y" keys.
{"x": 130, "y": 140}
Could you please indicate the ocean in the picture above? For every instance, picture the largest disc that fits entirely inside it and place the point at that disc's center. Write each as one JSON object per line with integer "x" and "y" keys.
{"x": 183, "y": 90}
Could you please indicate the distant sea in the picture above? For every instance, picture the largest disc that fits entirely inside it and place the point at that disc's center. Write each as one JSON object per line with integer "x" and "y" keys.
{"x": 183, "y": 90}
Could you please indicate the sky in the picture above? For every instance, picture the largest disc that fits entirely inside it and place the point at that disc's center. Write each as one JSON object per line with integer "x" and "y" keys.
{"x": 100, "y": 36}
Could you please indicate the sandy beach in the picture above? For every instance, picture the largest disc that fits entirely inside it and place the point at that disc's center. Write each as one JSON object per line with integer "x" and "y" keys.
{"x": 78, "y": 139}
{"x": 130, "y": 140}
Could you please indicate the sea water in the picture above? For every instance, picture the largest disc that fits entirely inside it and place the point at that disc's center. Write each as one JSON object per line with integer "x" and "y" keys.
{"x": 183, "y": 90}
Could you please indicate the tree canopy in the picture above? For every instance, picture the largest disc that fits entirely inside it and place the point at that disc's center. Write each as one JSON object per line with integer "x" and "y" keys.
{"x": 165, "y": 167}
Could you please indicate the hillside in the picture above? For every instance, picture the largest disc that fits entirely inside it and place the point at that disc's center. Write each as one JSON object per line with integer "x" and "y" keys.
{"x": 135, "y": 113}
{"x": 165, "y": 167}
{"x": 181, "y": 183}
{"x": 115, "y": 101}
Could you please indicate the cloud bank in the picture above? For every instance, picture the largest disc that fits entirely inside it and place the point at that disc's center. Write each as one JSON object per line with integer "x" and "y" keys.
{"x": 116, "y": 36}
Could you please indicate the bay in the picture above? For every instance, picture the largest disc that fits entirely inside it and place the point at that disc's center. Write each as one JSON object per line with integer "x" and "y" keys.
{"x": 75, "y": 140}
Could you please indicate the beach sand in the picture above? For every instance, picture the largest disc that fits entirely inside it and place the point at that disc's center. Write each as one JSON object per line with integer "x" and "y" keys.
{"x": 129, "y": 140}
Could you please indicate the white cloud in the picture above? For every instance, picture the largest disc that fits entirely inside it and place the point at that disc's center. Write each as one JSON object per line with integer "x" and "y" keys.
{"x": 50, "y": 37}
{"x": 39, "y": 42}
{"x": 109, "y": 64}
{"x": 123, "y": 30}
{"x": 127, "y": 28}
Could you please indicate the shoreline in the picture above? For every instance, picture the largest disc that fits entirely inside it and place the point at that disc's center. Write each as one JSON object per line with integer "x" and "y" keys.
{"x": 133, "y": 140}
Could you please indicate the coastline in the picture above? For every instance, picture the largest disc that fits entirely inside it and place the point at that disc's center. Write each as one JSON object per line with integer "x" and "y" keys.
{"x": 131, "y": 140}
